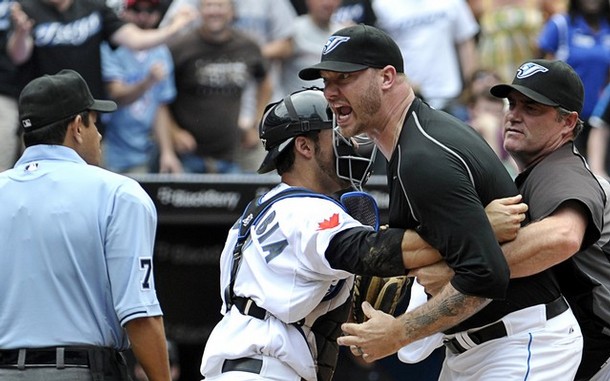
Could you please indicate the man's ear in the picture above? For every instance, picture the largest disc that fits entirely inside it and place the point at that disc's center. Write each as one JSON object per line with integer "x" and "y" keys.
{"x": 570, "y": 121}
{"x": 304, "y": 146}
{"x": 74, "y": 132}
{"x": 388, "y": 74}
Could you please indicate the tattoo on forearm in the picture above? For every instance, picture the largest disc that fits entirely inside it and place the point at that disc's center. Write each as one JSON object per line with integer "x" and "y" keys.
{"x": 442, "y": 313}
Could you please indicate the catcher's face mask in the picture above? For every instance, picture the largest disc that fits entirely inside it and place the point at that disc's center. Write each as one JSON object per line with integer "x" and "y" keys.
{"x": 354, "y": 157}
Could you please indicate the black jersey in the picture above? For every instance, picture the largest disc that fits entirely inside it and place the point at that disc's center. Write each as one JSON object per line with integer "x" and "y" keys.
{"x": 585, "y": 277}
{"x": 563, "y": 176}
{"x": 441, "y": 176}
{"x": 71, "y": 39}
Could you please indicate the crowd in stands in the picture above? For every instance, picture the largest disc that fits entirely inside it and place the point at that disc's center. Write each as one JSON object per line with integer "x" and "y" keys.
{"x": 195, "y": 110}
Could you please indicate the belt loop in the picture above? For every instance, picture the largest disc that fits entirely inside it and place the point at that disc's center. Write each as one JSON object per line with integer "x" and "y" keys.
{"x": 60, "y": 357}
{"x": 248, "y": 305}
{"x": 96, "y": 364}
{"x": 464, "y": 340}
{"x": 21, "y": 359}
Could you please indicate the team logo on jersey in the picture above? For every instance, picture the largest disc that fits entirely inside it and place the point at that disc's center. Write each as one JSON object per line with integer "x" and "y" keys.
{"x": 333, "y": 42}
{"x": 31, "y": 167}
{"x": 528, "y": 69}
{"x": 329, "y": 223}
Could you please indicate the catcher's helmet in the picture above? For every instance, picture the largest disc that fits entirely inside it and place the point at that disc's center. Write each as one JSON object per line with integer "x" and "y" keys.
{"x": 297, "y": 114}
{"x": 305, "y": 111}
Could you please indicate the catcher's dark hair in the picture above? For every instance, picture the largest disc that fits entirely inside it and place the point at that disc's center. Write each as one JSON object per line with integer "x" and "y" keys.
{"x": 285, "y": 160}
{"x": 54, "y": 133}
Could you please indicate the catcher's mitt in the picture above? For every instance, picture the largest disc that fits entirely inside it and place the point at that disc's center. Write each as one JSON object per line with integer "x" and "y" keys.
{"x": 382, "y": 293}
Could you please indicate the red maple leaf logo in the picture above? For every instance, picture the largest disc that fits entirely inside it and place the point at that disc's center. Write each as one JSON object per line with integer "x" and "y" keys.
{"x": 329, "y": 223}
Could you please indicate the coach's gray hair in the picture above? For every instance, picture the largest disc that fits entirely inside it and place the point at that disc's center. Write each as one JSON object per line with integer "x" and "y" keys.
{"x": 563, "y": 113}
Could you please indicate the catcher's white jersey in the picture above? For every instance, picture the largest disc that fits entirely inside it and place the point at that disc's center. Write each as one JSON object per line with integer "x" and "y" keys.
{"x": 284, "y": 270}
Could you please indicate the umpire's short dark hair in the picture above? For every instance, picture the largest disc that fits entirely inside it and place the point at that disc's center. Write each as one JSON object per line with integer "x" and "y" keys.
{"x": 54, "y": 133}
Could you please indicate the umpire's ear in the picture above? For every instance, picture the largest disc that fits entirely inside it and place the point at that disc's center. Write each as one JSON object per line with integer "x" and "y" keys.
{"x": 74, "y": 132}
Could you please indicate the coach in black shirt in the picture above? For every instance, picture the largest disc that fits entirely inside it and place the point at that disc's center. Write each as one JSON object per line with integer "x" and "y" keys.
{"x": 565, "y": 200}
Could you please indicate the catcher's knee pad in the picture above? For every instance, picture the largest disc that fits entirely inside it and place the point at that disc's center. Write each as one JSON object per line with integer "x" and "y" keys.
{"x": 327, "y": 328}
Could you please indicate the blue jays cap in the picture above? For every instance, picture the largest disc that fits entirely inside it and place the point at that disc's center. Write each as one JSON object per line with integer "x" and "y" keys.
{"x": 356, "y": 48}
{"x": 51, "y": 98}
{"x": 552, "y": 83}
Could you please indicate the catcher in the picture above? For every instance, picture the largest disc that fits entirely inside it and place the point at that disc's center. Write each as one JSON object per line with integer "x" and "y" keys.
{"x": 286, "y": 269}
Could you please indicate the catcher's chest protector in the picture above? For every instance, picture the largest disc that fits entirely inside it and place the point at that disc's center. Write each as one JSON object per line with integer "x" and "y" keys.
{"x": 327, "y": 327}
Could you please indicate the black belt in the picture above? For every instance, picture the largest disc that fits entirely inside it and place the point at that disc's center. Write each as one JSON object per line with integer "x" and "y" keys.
{"x": 56, "y": 356}
{"x": 498, "y": 330}
{"x": 245, "y": 364}
{"x": 247, "y": 307}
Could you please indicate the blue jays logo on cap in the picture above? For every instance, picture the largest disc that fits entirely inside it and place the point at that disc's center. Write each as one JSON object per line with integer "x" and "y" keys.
{"x": 333, "y": 42}
{"x": 356, "y": 48}
{"x": 528, "y": 69}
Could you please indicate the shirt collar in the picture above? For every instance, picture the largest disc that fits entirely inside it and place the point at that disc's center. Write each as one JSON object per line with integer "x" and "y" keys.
{"x": 49, "y": 152}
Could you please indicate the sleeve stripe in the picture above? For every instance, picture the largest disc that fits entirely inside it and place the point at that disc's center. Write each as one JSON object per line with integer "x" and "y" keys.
{"x": 130, "y": 316}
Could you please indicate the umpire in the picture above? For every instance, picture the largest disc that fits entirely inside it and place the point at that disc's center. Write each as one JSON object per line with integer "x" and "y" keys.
{"x": 76, "y": 279}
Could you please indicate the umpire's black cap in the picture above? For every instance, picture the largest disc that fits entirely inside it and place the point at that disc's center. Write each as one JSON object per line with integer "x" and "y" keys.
{"x": 51, "y": 98}
{"x": 299, "y": 113}
{"x": 356, "y": 48}
{"x": 552, "y": 83}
